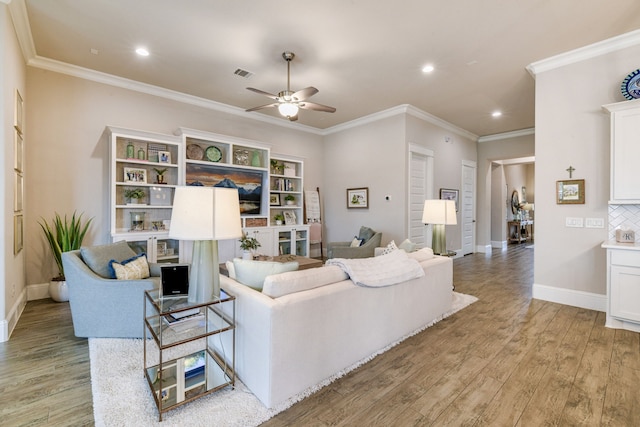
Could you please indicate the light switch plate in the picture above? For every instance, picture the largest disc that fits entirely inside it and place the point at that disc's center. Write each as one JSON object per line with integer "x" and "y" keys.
{"x": 594, "y": 222}
{"x": 574, "y": 222}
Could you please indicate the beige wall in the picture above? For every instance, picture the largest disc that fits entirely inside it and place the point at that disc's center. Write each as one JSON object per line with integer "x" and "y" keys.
{"x": 12, "y": 73}
{"x": 69, "y": 162}
{"x": 572, "y": 130}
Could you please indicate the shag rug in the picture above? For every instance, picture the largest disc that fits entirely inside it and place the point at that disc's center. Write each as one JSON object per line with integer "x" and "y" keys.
{"x": 121, "y": 396}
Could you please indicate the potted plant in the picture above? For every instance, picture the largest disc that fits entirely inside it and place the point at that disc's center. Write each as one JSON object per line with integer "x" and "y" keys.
{"x": 136, "y": 194}
{"x": 290, "y": 199}
{"x": 248, "y": 245}
{"x": 63, "y": 236}
{"x": 277, "y": 167}
{"x": 160, "y": 175}
{"x": 278, "y": 218}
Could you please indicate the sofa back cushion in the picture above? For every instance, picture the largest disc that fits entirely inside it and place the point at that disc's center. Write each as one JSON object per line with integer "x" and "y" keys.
{"x": 97, "y": 258}
{"x": 297, "y": 281}
{"x": 421, "y": 255}
{"x": 253, "y": 273}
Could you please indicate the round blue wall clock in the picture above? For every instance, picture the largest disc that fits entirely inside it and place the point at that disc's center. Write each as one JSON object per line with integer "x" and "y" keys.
{"x": 630, "y": 86}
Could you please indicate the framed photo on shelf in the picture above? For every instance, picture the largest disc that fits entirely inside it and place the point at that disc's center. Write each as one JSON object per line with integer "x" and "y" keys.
{"x": 18, "y": 115}
{"x": 164, "y": 156}
{"x": 135, "y": 175}
{"x": 570, "y": 192}
{"x": 357, "y": 197}
{"x": 449, "y": 194}
{"x": 274, "y": 200}
{"x": 289, "y": 218}
{"x": 153, "y": 150}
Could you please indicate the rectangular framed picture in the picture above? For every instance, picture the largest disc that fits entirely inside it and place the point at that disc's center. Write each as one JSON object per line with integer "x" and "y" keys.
{"x": 274, "y": 200}
{"x": 135, "y": 175}
{"x": 18, "y": 115}
{"x": 289, "y": 218}
{"x": 153, "y": 149}
{"x": 18, "y": 234}
{"x": 570, "y": 192}
{"x": 449, "y": 194}
{"x": 357, "y": 198}
{"x": 17, "y": 164}
{"x": 18, "y": 193}
{"x": 164, "y": 156}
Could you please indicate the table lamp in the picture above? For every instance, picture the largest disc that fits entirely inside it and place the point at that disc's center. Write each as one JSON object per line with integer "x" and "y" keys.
{"x": 205, "y": 215}
{"x": 439, "y": 213}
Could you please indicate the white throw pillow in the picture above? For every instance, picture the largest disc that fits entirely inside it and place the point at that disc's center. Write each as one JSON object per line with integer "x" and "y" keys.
{"x": 408, "y": 246}
{"x": 278, "y": 285}
{"x": 390, "y": 248}
{"x": 355, "y": 242}
{"x": 231, "y": 269}
{"x": 253, "y": 273}
{"x": 422, "y": 254}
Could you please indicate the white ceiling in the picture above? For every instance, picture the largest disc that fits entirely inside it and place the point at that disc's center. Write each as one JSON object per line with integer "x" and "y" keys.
{"x": 364, "y": 56}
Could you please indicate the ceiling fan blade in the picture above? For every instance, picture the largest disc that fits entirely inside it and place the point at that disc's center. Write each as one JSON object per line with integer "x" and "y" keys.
{"x": 316, "y": 107}
{"x": 261, "y": 92}
{"x": 305, "y": 93}
{"x": 275, "y": 104}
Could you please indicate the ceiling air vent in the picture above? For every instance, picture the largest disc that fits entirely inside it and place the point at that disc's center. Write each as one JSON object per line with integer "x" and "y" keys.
{"x": 243, "y": 73}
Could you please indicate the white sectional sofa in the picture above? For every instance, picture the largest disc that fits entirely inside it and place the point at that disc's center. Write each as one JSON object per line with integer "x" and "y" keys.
{"x": 317, "y": 322}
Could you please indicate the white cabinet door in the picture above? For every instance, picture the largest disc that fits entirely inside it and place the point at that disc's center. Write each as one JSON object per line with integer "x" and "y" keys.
{"x": 625, "y": 151}
{"x": 624, "y": 298}
{"x": 264, "y": 235}
{"x": 293, "y": 240}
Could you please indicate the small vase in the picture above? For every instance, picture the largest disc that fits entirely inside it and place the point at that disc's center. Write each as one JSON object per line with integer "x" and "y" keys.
{"x": 130, "y": 150}
{"x": 58, "y": 290}
{"x": 141, "y": 154}
{"x": 248, "y": 255}
{"x": 279, "y": 222}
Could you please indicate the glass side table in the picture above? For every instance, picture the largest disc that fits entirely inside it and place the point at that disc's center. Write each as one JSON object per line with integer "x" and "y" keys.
{"x": 189, "y": 348}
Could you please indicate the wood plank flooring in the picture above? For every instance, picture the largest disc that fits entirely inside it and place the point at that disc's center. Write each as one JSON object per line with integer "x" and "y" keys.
{"x": 506, "y": 360}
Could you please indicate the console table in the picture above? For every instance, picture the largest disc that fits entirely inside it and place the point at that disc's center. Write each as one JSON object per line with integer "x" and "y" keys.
{"x": 520, "y": 231}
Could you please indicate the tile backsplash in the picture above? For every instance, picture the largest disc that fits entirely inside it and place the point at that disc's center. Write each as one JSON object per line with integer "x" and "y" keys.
{"x": 623, "y": 216}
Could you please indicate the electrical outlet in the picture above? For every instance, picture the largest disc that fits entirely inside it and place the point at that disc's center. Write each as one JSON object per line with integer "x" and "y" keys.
{"x": 574, "y": 222}
{"x": 594, "y": 222}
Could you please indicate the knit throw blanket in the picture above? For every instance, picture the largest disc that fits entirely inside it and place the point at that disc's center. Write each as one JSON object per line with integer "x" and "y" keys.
{"x": 384, "y": 270}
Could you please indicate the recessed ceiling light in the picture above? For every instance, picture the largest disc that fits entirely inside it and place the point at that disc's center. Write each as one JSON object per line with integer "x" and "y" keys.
{"x": 428, "y": 68}
{"x": 496, "y": 114}
{"x": 142, "y": 51}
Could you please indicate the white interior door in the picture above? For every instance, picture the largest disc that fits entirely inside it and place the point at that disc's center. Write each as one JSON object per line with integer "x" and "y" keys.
{"x": 468, "y": 206}
{"x": 420, "y": 188}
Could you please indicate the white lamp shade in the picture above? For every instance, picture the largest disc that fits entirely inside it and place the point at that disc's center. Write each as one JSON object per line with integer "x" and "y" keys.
{"x": 287, "y": 109}
{"x": 439, "y": 212}
{"x": 205, "y": 213}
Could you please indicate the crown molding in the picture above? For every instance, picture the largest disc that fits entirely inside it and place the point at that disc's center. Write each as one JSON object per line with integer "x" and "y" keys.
{"x": 507, "y": 135}
{"x": 427, "y": 117}
{"x": 587, "y": 52}
{"x": 20, "y": 18}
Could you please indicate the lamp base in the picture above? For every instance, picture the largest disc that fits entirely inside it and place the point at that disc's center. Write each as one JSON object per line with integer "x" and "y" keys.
{"x": 204, "y": 283}
{"x": 439, "y": 239}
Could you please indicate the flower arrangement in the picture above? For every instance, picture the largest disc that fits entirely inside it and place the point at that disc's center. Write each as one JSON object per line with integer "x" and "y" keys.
{"x": 249, "y": 243}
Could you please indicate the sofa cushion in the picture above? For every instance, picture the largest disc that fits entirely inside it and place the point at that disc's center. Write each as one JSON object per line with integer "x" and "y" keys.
{"x": 253, "y": 273}
{"x": 231, "y": 269}
{"x": 408, "y": 246}
{"x": 365, "y": 234}
{"x": 355, "y": 243}
{"x": 133, "y": 268}
{"x": 297, "y": 281}
{"x": 390, "y": 248}
{"x": 421, "y": 255}
{"x": 97, "y": 257}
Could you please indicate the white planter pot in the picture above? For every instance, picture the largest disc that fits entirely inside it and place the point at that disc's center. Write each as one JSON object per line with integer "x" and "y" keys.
{"x": 247, "y": 255}
{"x": 291, "y": 202}
{"x": 278, "y": 222}
{"x": 58, "y": 290}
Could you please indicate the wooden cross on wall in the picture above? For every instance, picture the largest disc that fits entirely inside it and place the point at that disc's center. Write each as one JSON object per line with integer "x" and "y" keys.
{"x": 570, "y": 170}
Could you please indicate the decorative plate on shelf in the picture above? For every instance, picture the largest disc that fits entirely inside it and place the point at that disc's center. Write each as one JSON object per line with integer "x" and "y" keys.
{"x": 213, "y": 154}
{"x": 194, "y": 152}
{"x": 630, "y": 86}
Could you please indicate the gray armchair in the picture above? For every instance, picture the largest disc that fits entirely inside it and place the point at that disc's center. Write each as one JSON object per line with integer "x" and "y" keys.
{"x": 371, "y": 240}
{"x": 105, "y": 308}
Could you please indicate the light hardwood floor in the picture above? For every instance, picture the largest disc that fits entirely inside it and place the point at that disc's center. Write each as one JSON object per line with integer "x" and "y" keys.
{"x": 506, "y": 360}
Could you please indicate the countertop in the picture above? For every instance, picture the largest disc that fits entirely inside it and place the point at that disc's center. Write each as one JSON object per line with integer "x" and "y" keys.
{"x": 612, "y": 244}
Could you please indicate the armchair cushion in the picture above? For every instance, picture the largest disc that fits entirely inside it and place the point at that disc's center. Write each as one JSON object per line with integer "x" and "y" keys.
{"x": 365, "y": 234}
{"x": 132, "y": 268}
{"x": 97, "y": 258}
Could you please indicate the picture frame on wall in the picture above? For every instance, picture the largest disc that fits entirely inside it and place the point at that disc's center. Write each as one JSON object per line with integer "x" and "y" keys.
{"x": 18, "y": 114}
{"x": 135, "y": 175}
{"x": 358, "y": 198}
{"x": 450, "y": 194}
{"x": 570, "y": 192}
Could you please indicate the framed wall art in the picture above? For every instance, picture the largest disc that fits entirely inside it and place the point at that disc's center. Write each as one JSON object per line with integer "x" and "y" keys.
{"x": 570, "y": 192}
{"x": 357, "y": 198}
{"x": 449, "y": 194}
{"x": 135, "y": 175}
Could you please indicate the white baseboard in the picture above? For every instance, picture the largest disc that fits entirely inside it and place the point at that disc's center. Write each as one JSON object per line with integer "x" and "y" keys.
{"x": 8, "y": 325}
{"x": 497, "y": 244}
{"x": 38, "y": 291}
{"x": 570, "y": 297}
{"x": 486, "y": 249}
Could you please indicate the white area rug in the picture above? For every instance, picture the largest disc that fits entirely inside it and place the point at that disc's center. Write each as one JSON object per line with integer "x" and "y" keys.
{"x": 121, "y": 396}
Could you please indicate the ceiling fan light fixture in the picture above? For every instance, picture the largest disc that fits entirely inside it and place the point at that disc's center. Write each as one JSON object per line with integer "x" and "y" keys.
{"x": 288, "y": 109}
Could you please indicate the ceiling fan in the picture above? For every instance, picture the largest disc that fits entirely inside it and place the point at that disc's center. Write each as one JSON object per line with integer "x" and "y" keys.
{"x": 289, "y": 102}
